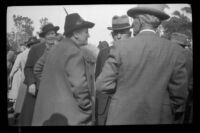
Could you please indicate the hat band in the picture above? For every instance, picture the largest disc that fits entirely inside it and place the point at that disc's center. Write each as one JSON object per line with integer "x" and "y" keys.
{"x": 118, "y": 26}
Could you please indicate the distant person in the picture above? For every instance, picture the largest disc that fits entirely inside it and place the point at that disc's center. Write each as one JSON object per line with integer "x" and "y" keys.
{"x": 22, "y": 88}
{"x": 66, "y": 84}
{"x": 145, "y": 75}
{"x": 16, "y": 76}
{"x": 48, "y": 34}
{"x": 181, "y": 39}
{"x": 120, "y": 30}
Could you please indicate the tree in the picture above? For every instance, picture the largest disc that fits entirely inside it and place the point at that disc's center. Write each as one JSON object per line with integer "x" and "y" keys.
{"x": 23, "y": 24}
{"x": 24, "y": 30}
{"x": 178, "y": 23}
{"x": 43, "y": 21}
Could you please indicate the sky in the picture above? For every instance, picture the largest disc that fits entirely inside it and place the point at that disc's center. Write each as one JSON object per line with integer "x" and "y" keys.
{"x": 101, "y": 15}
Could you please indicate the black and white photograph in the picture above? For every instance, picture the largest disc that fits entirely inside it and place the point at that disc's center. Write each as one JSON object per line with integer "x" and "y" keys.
{"x": 99, "y": 65}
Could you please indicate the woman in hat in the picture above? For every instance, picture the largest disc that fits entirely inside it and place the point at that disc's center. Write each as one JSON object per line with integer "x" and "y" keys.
{"x": 65, "y": 92}
{"x": 145, "y": 75}
{"x": 48, "y": 33}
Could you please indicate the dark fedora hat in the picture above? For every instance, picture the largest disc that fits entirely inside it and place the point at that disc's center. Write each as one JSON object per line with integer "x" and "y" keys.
{"x": 179, "y": 38}
{"x": 153, "y": 9}
{"x": 48, "y": 27}
{"x": 120, "y": 23}
{"x": 32, "y": 41}
{"x": 74, "y": 22}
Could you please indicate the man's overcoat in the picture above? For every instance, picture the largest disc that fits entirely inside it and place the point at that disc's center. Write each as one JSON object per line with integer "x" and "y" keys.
{"x": 65, "y": 95}
{"x": 148, "y": 78}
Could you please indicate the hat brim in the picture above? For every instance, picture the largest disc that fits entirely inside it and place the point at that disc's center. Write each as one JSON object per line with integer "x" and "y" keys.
{"x": 123, "y": 28}
{"x": 32, "y": 43}
{"x": 56, "y": 28}
{"x": 85, "y": 24}
{"x": 141, "y": 10}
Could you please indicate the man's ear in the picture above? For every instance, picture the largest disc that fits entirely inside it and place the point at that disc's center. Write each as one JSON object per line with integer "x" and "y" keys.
{"x": 75, "y": 34}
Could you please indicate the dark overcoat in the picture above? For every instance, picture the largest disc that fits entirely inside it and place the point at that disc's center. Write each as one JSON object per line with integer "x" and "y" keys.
{"x": 188, "y": 118}
{"x": 148, "y": 78}
{"x": 64, "y": 96}
{"x": 102, "y": 100}
{"x": 35, "y": 53}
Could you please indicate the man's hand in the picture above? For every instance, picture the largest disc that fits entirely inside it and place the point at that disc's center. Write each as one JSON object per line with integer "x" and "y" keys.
{"x": 32, "y": 89}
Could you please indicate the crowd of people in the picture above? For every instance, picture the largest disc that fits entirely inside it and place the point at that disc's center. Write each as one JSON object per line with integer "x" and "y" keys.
{"x": 141, "y": 78}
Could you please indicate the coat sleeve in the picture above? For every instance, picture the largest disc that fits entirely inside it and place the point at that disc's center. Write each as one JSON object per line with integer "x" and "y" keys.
{"x": 98, "y": 65}
{"x": 16, "y": 65}
{"x": 106, "y": 81}
{"x": 39, "y": 65}
{"x": 76, "y": 74}
{"x": 178, "y": 86}
{"x": 28, "y": 70}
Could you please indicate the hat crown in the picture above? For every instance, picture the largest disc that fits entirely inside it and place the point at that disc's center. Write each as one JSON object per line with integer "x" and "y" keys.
{"x": 120, "y": 23}
{"x": 159, "y": 7}
{"x": 152, "y": 9}
{"x": 74, "y": 18}
{"x": 74, "y": 21}
{"x": 47, "y": 27}
{"x": 32, "y": 40}
{"x": 120, "y": 20}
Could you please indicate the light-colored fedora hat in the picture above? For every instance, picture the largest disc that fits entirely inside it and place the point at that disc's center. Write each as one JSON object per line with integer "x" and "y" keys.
{"x": 153, "y": 9}
{"x": 120, "y": 23}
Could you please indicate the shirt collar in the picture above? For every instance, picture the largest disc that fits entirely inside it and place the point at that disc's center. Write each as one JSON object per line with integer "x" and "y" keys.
{"x": 148, "y": 30}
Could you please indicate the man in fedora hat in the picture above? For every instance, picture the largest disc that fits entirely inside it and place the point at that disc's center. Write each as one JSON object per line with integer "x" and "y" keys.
{"x": 146, "y": 74}
{"x": 66, "y": 88}
{"x": 120, "y": 30}
{"x": 48, "y": 32}
{"x": 181, "y": 39}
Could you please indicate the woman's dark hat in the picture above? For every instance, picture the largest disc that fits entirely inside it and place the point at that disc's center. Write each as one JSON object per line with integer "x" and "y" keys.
{"x": 153, "y": 9}
{"x": 48, "y": 27}
{"x": 74, "y": 22}
{"x": 32, "y": 41}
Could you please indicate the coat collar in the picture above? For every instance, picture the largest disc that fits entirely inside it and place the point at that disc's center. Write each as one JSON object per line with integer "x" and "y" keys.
{"x": 147, "y": 32}
{"x": 71, "y": 41}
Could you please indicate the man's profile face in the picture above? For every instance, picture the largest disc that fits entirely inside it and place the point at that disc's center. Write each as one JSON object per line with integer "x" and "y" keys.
{"x": 121, "y": 34}
{"x": 83, "y": 36}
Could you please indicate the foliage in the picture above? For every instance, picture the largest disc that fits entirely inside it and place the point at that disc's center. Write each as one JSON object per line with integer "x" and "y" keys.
{"x": 23, "y": 24}
{"x": 23, "y": 31}
{"x": 43, "y": 21}
{"x": 178, "y": 23}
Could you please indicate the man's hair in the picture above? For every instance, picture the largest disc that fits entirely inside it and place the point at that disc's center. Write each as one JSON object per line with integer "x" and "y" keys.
{"x": 149, "y": 20}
